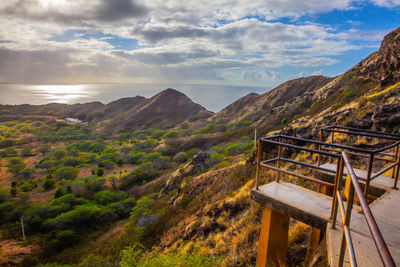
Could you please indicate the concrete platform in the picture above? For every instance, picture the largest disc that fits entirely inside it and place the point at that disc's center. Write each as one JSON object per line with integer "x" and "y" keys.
{"x": 296, "y": 202}
{"x": 314, "y": 209}
{"x": 386, "y": 211}
{"x": 378, "y": 186}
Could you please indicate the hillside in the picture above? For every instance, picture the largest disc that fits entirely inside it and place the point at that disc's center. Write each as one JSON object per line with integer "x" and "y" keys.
{"x": 168, "y": 107}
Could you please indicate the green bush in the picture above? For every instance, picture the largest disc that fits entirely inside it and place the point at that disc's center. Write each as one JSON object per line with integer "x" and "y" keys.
{"x": 71, "y": 161}
{"x": 171, "y": 134}
{"x": 26, "y": 187}
{"x": 27, "y": 173}
{"x": 26, "y": 152}
{"x": 4, "y": 195}
{"x": 81, "y": 217}
{"x": 48, "y": 184}
{"x": 157, "y": 133}
{"x": 65, "y": 238}
{"x": 9, "y": 152}
{"x": 135, "y": 157}
{"x": 100, "y": 172}
{"x": 68, "y": 173}
{"x": 15, "y": 165}
{"x": 59, "y": 192}
{"x": 135, "y": 256}
{"x": 106, "y": 197}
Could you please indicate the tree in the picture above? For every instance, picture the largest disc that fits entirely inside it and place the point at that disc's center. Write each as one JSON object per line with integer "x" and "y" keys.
{"x": 100, "y": 172}
{"x": 15, "y": 165}
{"x": 68, "y": 173}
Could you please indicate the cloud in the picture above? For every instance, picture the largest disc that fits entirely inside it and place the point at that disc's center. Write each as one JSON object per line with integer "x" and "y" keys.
{"x": 387, "y": 3}
{"x": 173, "y": 41}
{"x": 77, "y": 12}
{"x": 259, "y": 75}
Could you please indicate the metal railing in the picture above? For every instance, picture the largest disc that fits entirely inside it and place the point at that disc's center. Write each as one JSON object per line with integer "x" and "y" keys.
{"x": 345, "y": 214}
{"x": 338, "y": 153}
{"x": 371, "y": 154}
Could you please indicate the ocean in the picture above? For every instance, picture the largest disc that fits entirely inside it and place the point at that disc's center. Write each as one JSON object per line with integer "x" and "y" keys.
{"x": 212, "y": 97}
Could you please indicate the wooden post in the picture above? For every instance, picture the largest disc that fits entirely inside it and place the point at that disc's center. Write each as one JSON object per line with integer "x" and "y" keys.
{"x": 273, "y": 244}
{"x": 23, "y": 228}
{"x": 316, "y": 234}
{"x": 347, "y": 190}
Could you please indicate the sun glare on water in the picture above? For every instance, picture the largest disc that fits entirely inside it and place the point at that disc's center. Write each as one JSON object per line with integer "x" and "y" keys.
{"x": 62, "y": 93}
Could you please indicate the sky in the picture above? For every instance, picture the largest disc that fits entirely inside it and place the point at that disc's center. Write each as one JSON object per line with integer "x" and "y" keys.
{"x": 219, "y": 42}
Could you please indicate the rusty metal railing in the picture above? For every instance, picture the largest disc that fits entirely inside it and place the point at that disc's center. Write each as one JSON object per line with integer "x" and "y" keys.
{"x": 345, "y": 214}
{"x": 338, "y": 153}
{"x": 371, "y": 154}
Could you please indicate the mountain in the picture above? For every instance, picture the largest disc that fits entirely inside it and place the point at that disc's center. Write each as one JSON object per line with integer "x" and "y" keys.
{"x": 267, "y": 110}
{"x": 167, "y": 107}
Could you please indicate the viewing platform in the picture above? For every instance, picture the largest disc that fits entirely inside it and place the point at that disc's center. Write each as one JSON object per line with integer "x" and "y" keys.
{"x": 368, "y": 236}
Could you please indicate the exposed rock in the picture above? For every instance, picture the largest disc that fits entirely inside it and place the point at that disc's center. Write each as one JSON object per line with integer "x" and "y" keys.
{"x": 384, "y": 65}
{"x": 148, "y": 220}
{"x": 196, "y": 165}
{"x": 386, "y": 117}
{"x": 361, "y": 123}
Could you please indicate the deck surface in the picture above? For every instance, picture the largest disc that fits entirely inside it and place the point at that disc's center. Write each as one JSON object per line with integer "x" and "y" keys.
{"x": 382, "y": 181}
{"x": 314, "y": 208}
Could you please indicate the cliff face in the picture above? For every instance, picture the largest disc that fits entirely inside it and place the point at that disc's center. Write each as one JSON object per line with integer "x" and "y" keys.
{"x": 383, "y": 66}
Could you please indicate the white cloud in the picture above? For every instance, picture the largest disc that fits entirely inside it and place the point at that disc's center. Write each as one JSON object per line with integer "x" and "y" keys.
{"x": 387, "y": 3}
{"x": 197, "y": 40}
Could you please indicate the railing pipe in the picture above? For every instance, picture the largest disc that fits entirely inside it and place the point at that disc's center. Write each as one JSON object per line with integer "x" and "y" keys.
{"x": 258, "y": 164}
{"x": 369, "y": 172}
{"x": 372, "y": 225}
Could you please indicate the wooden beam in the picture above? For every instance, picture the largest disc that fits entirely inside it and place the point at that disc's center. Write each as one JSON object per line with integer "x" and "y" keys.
{"x": 273, "y": 244}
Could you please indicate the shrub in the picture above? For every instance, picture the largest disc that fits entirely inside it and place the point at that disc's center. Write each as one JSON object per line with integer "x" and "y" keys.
{"x": 157, "y": 133}
{"x": 27, "y": 173}
{"x": 81, "y": 217}
{"x": 284, "y": 122}
{"x": 48, "y": 184}
{"x": 65, "y": 238}
{"x": 100, "y": 172}
{"x": 68, "y": 173}
{"x": 135, "y": 157}
{"x": 171, "y": 134}
{"x": 106, "y": 197}
{"x": 134, "y": 256}
{"x": 9, "y": 152}
{"x": 71, "y": 161}
{"x": 181, "y": 157}
{"x": 59, "y": 192}
{"x": 26, "y": 152}
{"x": 122, "y": 208}
{"x": 26, "y": 187}
{"x": 4, "y": 195}
{"x": 15, "y": 165}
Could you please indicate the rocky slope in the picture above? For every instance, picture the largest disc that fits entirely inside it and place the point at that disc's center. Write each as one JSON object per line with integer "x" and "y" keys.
{"x": 268, "y": 109}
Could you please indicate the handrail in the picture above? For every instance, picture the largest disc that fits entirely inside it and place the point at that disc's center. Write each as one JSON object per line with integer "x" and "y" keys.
{"x": 345, "y": 214}
{"x": 339, "y": 152}
{"x": 369, "y": 153}
{"x": 377, "y": 133}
